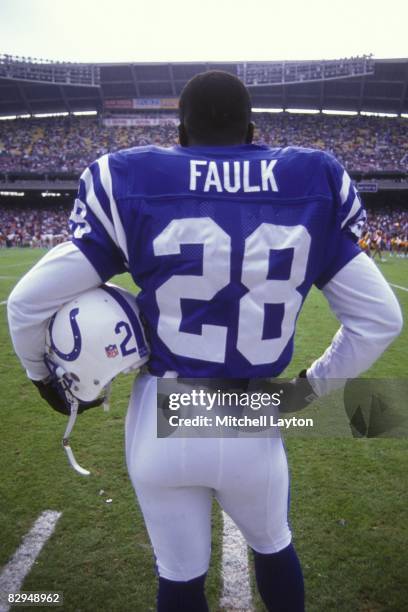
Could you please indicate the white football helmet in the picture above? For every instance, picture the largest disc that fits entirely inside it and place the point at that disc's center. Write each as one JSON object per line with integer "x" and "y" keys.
{"x": 92, "y": 339}
{"x": 88, "y": 342}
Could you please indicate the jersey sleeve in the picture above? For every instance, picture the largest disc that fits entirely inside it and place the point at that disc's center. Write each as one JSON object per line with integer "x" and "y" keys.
{"x": 95, "y": 221}
{"x": 62, "y": 274}
{"x": 350, "y": 219}
{"x": 370, "y": 318}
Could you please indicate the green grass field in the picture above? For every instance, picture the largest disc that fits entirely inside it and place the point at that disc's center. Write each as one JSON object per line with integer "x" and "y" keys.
{"x": 348, "y": 498}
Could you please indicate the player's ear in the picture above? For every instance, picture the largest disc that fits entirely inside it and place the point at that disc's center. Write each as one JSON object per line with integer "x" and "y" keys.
{"x": 182, "y": 134}
{"x": 250, "y": 133}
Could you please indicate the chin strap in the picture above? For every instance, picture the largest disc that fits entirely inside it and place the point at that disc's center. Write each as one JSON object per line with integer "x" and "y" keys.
{"x": 65, "y": 439}
{"x": 73, "y": 404}
{"x": 106, "y": 396}
{"x": 65, "y": 385}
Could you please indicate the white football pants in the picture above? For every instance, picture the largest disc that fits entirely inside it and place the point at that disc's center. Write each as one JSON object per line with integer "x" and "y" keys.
{"x": 175, "y": 480}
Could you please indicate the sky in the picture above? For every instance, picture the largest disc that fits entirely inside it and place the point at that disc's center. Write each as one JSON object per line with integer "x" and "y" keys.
{"x": 202, "y": 30}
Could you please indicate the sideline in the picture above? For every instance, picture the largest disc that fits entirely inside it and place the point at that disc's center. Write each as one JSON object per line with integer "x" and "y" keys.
{"x": 20, "y": 564}
{"x": 236, "y": 590}
{"x": 398, "y": 287}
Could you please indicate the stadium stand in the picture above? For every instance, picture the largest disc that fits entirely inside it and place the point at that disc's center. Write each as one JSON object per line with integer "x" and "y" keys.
{"x": 46, "y": 227}
{"x": 69, "y": 144}
{"x": 136, "y": 105}
{"x": 27, "y": 227}
{"x": 361, "y": 143}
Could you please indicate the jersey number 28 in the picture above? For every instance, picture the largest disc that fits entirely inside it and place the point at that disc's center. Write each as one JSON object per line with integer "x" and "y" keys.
{"x": 211, "y": 344}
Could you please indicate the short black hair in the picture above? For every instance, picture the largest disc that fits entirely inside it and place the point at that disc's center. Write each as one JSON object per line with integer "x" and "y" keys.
{"x": 215, "y": 107}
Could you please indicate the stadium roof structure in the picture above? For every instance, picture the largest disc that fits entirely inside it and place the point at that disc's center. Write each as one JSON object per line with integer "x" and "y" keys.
{"x": 30, "y": 86}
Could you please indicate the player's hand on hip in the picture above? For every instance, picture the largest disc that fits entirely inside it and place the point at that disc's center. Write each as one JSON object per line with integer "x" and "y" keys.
{"x": 296, "y": 394}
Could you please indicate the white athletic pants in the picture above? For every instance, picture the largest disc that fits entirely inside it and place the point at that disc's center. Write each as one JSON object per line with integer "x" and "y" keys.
{"x": 175, "y": 480}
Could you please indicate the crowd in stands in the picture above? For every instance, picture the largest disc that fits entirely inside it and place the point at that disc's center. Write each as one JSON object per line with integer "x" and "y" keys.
{"x": 69, "y": 144}
{"x": 43, "y": 227}
{"x": 360, "y": 143}
{"x": 390, "y": 222}
{"x": 46, "y": 227}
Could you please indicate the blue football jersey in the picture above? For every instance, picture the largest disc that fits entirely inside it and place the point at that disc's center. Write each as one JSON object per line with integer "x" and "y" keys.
{"x": 224, "y": 243}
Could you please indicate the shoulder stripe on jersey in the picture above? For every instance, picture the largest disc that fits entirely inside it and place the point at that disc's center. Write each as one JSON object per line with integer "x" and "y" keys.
{"x": 100, "y": 191}
{"x": 94, "y": 204}
{"x": 106, "y": 180}
{"x": 353, "y": 210}
{"x": 345, "y": 187}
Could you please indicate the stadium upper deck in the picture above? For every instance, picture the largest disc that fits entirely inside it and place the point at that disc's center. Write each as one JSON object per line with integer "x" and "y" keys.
{"x": 359, "y": 83}
{"x": 136, "y": 104}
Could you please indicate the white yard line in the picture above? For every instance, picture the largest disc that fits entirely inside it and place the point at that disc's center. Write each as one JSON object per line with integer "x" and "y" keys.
{"x": 3, "y": 303}
{"x": 399, "y": 287}
{"x": 20, "y": 564}
{"x": 8, "y": 277}
{"x": 236, "y": 591}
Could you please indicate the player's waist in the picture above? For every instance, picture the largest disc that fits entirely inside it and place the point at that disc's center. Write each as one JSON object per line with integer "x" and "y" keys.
{"x": 216, "y": 383}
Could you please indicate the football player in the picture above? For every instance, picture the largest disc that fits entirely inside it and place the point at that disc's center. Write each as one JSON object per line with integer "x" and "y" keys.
{"x": 225, "y": 238}
{"x": 378, "y": 244}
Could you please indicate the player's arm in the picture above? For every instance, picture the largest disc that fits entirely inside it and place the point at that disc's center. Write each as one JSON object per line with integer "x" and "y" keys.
{"x": 57, "y": 278}
{"x": 370, "y": 318}
{"x": 93, "y": 256}
{"x": 359, "y": 296}
{"x": 357, "y": 293}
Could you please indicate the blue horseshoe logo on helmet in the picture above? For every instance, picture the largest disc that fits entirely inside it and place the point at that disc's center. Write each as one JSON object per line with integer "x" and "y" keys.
{"x": 77, "y": 337}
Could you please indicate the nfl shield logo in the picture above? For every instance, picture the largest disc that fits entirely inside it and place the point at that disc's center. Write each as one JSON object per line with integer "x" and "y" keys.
{"x": 111, "y": 350}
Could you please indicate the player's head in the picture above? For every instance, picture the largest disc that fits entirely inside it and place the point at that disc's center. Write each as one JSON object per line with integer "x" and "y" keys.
{"x": 215, "y": 109}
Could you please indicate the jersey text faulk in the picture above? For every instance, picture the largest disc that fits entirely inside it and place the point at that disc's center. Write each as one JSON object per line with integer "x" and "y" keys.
{"x": 232, "y": 176}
